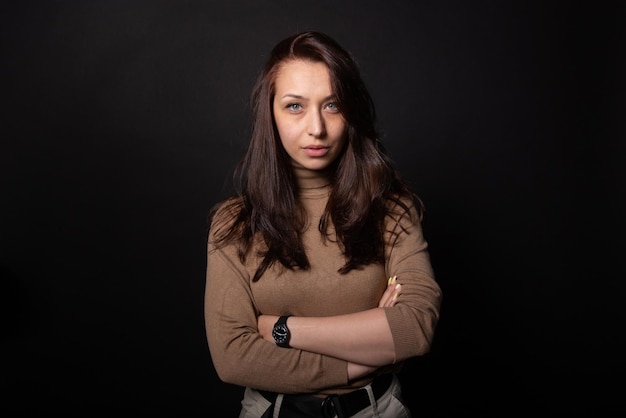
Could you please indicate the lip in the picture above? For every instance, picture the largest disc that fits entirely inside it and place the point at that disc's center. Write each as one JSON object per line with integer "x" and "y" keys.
{"x": 316, "y": 151}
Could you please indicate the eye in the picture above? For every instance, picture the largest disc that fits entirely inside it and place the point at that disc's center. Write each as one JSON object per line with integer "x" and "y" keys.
{"x": 294, "y": 107}
{"x": 332, "y": 106}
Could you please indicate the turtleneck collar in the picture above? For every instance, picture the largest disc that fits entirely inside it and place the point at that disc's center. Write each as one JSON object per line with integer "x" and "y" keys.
{"x": 311, "y": 179}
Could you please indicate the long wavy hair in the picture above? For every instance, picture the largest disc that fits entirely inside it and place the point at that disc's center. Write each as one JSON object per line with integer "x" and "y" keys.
{"x": 366, "y": 188}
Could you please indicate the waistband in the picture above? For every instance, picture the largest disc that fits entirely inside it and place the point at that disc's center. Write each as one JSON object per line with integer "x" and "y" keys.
{"x": 344, "y": 405}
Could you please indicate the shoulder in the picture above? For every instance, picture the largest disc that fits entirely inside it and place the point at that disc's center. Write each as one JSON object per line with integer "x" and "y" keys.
{"x": 224, "y": 214}
{"x": 404, "y": 209}
{"x": 403, "y": 224}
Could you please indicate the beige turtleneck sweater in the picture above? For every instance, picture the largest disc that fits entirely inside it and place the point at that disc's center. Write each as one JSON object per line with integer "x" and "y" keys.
{"x": 233, "y": 302}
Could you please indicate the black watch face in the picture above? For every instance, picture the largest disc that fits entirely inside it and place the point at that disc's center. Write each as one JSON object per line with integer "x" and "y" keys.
{"x": 280, "y": 334}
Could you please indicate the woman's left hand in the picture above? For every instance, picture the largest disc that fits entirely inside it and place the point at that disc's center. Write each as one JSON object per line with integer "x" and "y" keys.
{"x": 388, "y": 298}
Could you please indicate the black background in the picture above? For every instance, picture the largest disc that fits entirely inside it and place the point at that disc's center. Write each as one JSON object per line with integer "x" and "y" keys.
{"x": 120, "y": 124}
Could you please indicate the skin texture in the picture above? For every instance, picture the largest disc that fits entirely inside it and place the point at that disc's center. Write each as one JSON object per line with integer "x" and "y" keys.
{"x": 311, "y": 128}
{"x": 312, "y": 132}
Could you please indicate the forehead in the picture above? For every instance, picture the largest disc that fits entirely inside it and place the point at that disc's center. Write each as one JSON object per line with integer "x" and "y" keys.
{"x": 302, "y": 74}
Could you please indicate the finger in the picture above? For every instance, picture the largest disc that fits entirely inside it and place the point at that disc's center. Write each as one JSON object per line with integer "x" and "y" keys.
{"x": 386, "y": 299}
{"x": 394, "y": 291}
{"x": 387, "y": 294}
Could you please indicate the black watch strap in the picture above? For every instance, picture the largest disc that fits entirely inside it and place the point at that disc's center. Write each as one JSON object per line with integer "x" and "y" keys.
{"x": 281, "y": 333}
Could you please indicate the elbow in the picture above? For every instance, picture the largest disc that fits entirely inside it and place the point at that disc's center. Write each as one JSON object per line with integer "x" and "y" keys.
{"x": 222, "y": 361}
{"x": 423, "y": 346}
{"x": 424, "y": 338}
{"x": 227, "y": 374}
{"x": 229, "y": 370}
{"x": 419, "y": 345}
{"x": 417, "y": 342}
{"x": 230, "y": 363}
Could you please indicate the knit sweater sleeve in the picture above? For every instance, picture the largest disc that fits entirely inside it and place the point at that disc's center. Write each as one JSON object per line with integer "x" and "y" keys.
{"x": 414, "y": 317}
{"x": 239, "y": 354}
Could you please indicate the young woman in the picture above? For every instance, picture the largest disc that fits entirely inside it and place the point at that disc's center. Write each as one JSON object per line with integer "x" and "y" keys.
{"x": 319, "y": 283}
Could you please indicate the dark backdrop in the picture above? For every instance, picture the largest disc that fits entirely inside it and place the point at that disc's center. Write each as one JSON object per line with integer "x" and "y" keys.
{"x": 120, "y": 124}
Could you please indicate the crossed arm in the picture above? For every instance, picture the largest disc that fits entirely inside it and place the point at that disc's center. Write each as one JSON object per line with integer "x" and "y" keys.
{"x": 363, "y": 339}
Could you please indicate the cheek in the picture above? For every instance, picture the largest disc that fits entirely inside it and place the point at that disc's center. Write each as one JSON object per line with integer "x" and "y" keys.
{"x": 287, "y": 133}
{"x": 285, "y": 137}
{"x": 339, "y": 131}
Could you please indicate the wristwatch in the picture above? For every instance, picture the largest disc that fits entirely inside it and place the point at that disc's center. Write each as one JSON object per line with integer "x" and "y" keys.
{"x": 281, "y": 333}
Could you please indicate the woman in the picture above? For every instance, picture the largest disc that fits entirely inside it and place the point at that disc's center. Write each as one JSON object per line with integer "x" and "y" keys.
{"x": 319, "y": 283}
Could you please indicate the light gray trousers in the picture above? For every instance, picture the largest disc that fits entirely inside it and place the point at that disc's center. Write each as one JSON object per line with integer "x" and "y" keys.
{"x": 389, "y": 405}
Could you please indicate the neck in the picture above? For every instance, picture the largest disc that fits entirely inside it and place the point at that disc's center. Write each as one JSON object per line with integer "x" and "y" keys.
{"x": 311, "y": 179}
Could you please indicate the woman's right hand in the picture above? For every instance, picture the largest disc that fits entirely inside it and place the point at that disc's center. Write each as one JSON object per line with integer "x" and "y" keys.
{"x": 356, "y": 371}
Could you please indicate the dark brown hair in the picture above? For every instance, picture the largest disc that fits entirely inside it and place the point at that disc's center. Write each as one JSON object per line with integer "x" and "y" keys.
{"x": 365, "y": 185}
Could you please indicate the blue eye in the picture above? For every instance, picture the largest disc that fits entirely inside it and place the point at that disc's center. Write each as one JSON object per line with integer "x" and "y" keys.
{"x": 294, "y": 107}
{"x": 332, "y": 106}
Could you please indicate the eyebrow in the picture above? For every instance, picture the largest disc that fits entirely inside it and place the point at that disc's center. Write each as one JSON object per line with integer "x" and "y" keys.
{"x": 297, "y": 96}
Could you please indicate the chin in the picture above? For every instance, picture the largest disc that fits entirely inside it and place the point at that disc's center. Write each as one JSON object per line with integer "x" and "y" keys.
{"x": 316, "y": 167}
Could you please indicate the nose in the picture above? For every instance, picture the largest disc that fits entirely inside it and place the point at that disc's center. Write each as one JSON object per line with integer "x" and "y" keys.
{"x": 316, "y": 126}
